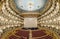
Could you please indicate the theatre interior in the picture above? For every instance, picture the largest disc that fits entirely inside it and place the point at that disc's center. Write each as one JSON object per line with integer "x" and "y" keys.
{"x": 29, "y": 19}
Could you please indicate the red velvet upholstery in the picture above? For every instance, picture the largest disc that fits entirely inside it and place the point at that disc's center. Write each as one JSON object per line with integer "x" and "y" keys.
{"x": 0, "y": 37}
{"x": 16, "y": 37}
{"x": 13, "y": 37}
{"x": 46, "y": 37}
{"x": 22, "y": 33}
{"x": 38, "y": 33}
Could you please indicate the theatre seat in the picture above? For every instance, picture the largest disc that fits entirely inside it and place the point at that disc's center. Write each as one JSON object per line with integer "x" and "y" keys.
{"x": 13, "y": 37}
{"x": 38, "y": 33}
{"x": 22, "y": 33}
{"x": 45, "y": 37}
{"x": 16, "y": 37}
{"x": 28, "y": 34}
{"x": 0, "y": 37}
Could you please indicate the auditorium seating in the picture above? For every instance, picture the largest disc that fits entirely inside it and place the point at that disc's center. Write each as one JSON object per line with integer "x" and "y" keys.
{"x": 16, "y": 37}
{"x": 27, "y": 34}
{"x": 13, "y": 37}
{"x": 38, "y": 33}
{"x": 0, "y": 37}
{"x": 45, "y": 37}
{"x": 22, "y": 33}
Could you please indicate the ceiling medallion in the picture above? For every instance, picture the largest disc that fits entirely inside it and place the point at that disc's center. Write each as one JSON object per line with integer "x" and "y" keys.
{"x": 29, "y": 5}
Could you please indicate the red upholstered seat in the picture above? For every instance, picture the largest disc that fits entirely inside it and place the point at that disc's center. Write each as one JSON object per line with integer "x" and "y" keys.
{"x": 46, "y": 37}
{"x": 22, "y": 33}
{"x": 13, "y": 37}
{"x": 16, "y": 37}
{"x": 38, "y": 33}
{"x": 0, "y": 37}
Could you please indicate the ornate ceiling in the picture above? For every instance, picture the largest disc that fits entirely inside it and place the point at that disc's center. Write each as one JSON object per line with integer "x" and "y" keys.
{"x": 30, "y": 5}
{"x": 49, "y": 17}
